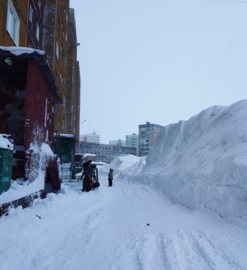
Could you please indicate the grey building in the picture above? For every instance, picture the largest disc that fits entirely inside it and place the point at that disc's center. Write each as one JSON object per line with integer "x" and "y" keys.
{"x": 147, "y": 137}
{"x": 105, "y": 152}
{"x": 133, "y": 141}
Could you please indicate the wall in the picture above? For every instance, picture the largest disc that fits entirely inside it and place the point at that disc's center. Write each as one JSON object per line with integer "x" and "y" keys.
{"x": 21, "y": 7}
{"x": 39, "y": 124}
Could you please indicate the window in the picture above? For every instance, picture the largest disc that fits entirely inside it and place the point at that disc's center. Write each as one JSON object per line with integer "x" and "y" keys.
{"x": 31, "y": 14}
{"x": 57, "y": 50}
{"x": 13, "y": 23}
{"x": 37, "y": 31}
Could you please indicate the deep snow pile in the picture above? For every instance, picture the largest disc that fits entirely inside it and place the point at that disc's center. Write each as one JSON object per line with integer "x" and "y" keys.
{"x": 203, "y": 161}
{"x": 120, "y": 164}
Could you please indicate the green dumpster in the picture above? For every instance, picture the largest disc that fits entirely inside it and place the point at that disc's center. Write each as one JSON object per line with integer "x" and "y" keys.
{"x": 6, "y": 162}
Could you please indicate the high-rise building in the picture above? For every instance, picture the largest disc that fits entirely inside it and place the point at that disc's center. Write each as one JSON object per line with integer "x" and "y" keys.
{"x": 72, "y": 96}
{"x": 60, "y": 44}
{"x": 147, "y": 137}
{"x": 133, "y": 141}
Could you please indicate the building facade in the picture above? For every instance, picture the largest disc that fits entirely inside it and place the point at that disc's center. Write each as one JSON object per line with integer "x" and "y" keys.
{"x": 14, "y": 22}
{"x": 54, "y": 43}
{"x": 90, "y": 138}
{"x": 147, "y": 137}
{"x": 105, "y": 152}
{"x": 133, "y": 141}
{"x": 25, "y": 114}
{"x": 48, "y": 27}
{"x": 72, "y": 96}
{"x": 34, "y": 23}
{"x": 117, "y": 142}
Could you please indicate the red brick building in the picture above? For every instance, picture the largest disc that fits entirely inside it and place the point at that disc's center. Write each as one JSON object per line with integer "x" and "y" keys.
{"x": 28, "y": 96}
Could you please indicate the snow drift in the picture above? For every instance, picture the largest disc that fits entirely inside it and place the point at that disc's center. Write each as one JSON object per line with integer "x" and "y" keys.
{"x": 203, "y": 161}
{"x": 121, "y": 163}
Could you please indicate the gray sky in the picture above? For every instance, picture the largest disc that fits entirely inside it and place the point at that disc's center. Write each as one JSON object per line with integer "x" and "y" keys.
{"x": 160, "y": 61}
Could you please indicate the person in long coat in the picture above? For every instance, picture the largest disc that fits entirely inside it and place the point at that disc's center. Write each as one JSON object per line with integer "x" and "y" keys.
{"x": 110, "y": 177}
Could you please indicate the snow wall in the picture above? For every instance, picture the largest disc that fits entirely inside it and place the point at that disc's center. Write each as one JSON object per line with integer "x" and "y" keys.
{"x": 202, "y": 161}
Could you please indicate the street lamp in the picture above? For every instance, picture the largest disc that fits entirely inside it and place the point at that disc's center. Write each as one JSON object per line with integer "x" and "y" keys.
{"x": 83, "y": 121}
{"x": 78, "y": 44}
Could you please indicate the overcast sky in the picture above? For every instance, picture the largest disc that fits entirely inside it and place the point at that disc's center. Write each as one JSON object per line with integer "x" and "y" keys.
{"x": 160, "y": 61}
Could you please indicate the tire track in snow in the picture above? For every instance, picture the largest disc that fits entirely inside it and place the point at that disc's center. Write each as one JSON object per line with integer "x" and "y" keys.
{"x": 179, "y": 250}
{"x": 214, "y": 254}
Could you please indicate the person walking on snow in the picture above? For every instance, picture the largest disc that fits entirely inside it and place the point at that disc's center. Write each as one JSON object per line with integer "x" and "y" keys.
{"x": 110, "y": 177}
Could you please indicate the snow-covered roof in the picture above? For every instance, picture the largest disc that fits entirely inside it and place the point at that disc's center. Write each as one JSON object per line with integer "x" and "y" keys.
{"x": 64, "y": 135}
{"x": 21, "y": 50}
{"x": 88, "y": 155}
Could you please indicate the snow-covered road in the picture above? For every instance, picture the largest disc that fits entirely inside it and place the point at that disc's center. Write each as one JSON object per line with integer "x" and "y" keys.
{"x": 127, "y": 227}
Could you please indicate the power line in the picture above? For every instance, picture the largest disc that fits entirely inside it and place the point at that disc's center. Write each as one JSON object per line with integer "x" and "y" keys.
{"x": 221, "y": 63}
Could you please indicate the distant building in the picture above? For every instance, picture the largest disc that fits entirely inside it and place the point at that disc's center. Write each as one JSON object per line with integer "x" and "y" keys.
{"x": 147, "y": 137}
{"x": 90, "y": 138}
{"x": 133, "y": 141}
{"x": 117, "y": 142}
{"x": 105, "y": 152}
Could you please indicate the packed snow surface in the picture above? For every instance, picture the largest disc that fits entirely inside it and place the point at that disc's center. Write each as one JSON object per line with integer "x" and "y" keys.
{"x": 127, "y": 226}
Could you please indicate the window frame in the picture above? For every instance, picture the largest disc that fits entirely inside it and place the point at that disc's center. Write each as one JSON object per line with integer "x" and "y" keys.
{"x": 13, "y": 23}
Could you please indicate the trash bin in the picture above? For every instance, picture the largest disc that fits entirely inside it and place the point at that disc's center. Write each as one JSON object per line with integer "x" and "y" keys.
{"x": 6, "y": 163}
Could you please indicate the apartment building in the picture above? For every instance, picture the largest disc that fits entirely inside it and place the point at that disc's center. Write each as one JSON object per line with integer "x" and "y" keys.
{"x": 54, "y": 43}
{"x": 105, "y": 152}
{"x": 72, "y": 96}
{"x": 133, "y": 141}
{"x": 147, "y": 137}
{"x": 47, "y": 25}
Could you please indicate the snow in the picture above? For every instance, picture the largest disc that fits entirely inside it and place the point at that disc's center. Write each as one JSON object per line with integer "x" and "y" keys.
{"x": 64, "y": 135}
{"x": 20, "y": 188}
{"x": 121, "y": 163}
{"x": 203, "y": 161}
{"x": 5, "y": 143}
{"x": 88, "y": 155}
{"x": 21, "y": 50}
{"x": 183, "y": 207}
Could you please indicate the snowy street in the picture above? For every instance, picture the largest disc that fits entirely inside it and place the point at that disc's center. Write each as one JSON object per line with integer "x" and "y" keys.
{"x": 128, "y": 226}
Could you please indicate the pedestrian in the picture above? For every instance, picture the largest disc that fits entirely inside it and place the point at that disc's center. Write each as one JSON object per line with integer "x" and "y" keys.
{"x": 87, "y": 176}
{"x": 110, "y": 177}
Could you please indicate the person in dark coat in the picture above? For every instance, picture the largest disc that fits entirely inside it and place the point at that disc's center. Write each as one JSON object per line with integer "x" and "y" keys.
{"x": 110, "y": 177}
{"x": 87, "y": 176}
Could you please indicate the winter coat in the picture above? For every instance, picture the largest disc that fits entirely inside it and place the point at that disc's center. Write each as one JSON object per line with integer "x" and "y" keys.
{"x": 110, "y": 175}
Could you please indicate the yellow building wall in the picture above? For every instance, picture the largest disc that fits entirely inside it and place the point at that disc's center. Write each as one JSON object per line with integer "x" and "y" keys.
{"x": 21, "y": 7}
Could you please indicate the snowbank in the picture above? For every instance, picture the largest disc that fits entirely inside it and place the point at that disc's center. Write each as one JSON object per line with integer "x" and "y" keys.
{"x": 121, "y": 163}
{"x": 5, "y": 143}
{"x": 20, "y": 188}
{"x": 203, "y": 161}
